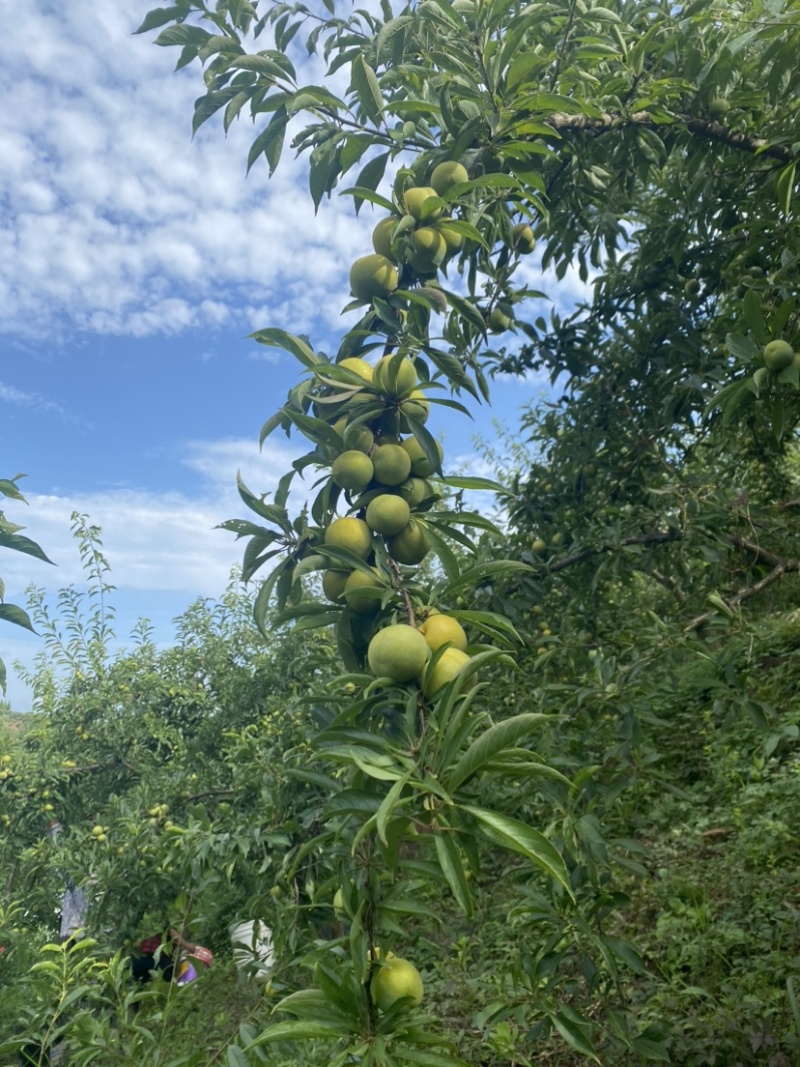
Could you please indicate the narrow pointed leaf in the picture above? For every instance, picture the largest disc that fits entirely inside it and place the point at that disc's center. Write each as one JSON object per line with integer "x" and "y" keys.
{"x": 519, "y": 837}
{"x": 501, "y": 736}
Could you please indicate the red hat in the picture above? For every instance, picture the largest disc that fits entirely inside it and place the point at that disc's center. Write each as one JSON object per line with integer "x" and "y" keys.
{"x": 202, "y": 955}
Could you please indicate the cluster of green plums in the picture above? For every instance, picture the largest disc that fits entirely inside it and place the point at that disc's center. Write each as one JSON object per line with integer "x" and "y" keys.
{"x": 421, "y": 236}
{"x": 384, "y": 473}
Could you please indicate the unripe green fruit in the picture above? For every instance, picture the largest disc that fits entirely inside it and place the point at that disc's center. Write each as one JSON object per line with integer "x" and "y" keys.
{"x": 382, "y": 236}
{"x": 522, "y": 238}
{"x": 388, "y": 514}
{"x": 358, "y": 366}
{"x": 398, "y": 652}
{"x": 358, "y": 400}
{"x": 352, "y": 470}
{"x": 350, "y": 533}
{"x": 452, "y": 238}
{"x": 498, "y": 321}
{"x": 362, "y": 592}
{"x": 778, "y": 355}
{"x": 415, "y": 490}
{"x": 333, "y": 583}
{"x": 373, "y": 276}
{"x": 538, "y": 545}
{"x": 421, "y": 466}
{"x": 338, "y": 904}
{"x": 416, "y": 407}
{"x": 428, "y": 249}
{"x": 395, "y": 979}
{"x": 438, "y": 630}
{"x": 451, "y": 661}
{"x": 394, "y": 378}
{"x": 392, "y": 464}
{"x": 718, "y": 107}
{"x": 414, "y": 200}
{"x": 692, "y": 287}
{"x": 361, "y": 438}
{"x": 446, "y": 175}
{"x": 410, "y": 546}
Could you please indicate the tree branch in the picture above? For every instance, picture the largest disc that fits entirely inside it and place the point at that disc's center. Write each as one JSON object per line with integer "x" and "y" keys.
{"x": 653, "y": 538}
{"x": 711, "y": 131}
{"x": 209, "y": 793}
{"x": 780, "y": 566}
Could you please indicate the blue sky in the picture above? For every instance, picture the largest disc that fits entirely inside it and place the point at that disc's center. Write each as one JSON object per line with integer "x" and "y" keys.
{"x": 135, "y": 261}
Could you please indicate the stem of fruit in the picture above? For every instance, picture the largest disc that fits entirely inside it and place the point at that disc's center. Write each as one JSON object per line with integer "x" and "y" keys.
{"x": 412, "y": 620}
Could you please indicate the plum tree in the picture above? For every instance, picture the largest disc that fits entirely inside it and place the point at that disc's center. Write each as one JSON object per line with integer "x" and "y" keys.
{"x": 532, "y": 108}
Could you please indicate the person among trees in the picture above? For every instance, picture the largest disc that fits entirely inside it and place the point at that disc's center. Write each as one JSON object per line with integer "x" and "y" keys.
{"x": 173, "y": 956}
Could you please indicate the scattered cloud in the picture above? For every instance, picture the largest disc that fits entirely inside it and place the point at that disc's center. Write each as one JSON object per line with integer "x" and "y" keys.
{"x": 9, "y": 394}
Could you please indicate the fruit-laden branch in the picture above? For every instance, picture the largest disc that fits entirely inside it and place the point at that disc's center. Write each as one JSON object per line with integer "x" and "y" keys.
{"x": 780, "y": 566}
{"x": 712, "y": 131}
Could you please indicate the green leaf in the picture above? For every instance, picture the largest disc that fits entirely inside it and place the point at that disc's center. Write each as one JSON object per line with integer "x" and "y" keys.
{"x": 271, "y": 512}
{"x": 311, "y": 97}
{"x": 18, "y": 543}
{"x": 299, "y": 1030}
{"x": 744, "y": 348}
{"x": 388, "y": 805}
{"x": 159, "y": 16}
{"x": 625, "y": 952}
{"x": 424, "y": 1057}
{"x": 11, "y": 613}
{"x": 517, "y": 836}
{"x": 9, "y": 488}
{"x": 501, "y": 736}
{"x": 751, "y": 305}
{"x": 473, "y": 575}
{"x": 575, "y": 1030}
{"x": 269, "y": 143}
{"x": 184, "y": 35}
{"x": 367, "y": 89}
{"x": 785, "y": 187}
{"x": 296, "y": 346}
{"x": 488, "y": 622}
{"x": 476, "y": 483}
{"x": 235, "y": 1057}
{"x": 389, "y": 30}
{"x": 447, "y": 557}
{"x": 453, "y": 869}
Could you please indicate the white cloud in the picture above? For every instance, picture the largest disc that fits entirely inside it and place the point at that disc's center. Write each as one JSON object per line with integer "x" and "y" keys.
{"x": 117, "y": 222}
{"x": 11, "y": 395}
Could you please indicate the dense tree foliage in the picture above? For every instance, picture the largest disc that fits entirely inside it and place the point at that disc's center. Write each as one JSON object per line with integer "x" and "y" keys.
{"x": 572, "y": 851}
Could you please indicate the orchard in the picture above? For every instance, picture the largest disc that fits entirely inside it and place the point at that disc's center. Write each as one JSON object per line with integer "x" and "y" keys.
{"x": 506, "y": 791}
